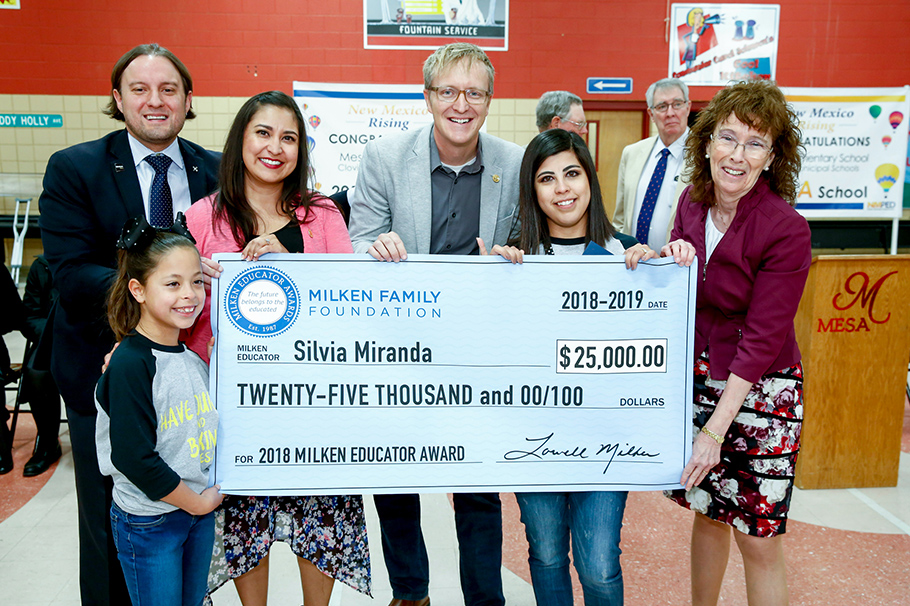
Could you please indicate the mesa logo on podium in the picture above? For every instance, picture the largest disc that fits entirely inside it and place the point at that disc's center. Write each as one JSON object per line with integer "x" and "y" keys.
{"x": 857, "y": 295}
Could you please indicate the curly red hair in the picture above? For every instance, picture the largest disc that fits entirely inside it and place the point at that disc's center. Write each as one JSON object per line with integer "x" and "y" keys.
{"x": 761, "y": 105}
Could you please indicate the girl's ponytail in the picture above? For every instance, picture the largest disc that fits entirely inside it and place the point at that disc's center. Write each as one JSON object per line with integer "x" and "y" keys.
{"x": 123, "y": 310}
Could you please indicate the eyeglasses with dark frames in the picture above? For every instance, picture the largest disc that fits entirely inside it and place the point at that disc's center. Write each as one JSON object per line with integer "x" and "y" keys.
{"x": 661, "y": 108}
{"x": 449, "y": 94}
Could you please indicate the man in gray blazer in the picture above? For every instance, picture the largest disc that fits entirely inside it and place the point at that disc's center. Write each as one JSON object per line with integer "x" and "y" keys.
{"x": 642, "y": 181}
{"x": 440, "y": 190}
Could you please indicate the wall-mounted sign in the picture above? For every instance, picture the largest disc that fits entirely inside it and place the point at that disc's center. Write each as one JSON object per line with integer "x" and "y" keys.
{"x": 856, "y": 150}
{"x": 9, "y": 4}
{"x": 712, "y": 44}
{"x": 429, "y": 24}
{"x": 31, "y": 120}
{"x": 907, "y": 174}
{"x": 609, "y": 86}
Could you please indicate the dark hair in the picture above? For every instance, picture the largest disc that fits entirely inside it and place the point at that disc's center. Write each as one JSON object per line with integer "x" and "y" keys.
{"x": 761, "y": 105}
{"x": 231, "y": 203}
{"x": 535, "y": 231}
{"x": 151, "y": 50}
{"x": 123, "y": 311}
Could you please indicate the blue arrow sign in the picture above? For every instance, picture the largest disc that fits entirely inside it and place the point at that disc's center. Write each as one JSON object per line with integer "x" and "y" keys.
{"x": 610, "y": 86}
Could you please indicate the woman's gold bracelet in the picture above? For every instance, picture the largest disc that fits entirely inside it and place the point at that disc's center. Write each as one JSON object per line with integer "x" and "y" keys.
{"x": 712, "y": 435}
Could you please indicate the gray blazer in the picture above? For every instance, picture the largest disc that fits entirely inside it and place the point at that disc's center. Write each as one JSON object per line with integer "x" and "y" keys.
{"x": 394, "y": 192}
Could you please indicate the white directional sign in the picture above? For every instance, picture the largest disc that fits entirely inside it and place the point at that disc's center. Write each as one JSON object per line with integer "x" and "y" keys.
{"x": 609, "y": 86}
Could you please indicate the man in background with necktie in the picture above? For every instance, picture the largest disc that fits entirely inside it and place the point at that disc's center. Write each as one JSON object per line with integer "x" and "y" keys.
{"x": 90, "y": 190}
{"x": 650, "y": 180}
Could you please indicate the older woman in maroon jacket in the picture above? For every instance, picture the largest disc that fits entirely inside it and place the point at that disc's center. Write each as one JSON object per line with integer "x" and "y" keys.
{"x": 753, "y": 254}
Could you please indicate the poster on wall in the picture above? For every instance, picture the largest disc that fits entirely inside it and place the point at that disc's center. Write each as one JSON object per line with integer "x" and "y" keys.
{"x": 10, "y": 4}
{"x": 429, "y": 24}
{"x": 907, "y": 175}
{"x": 856, "y": 151}
{"x": 712, "y": 44}
{"x": 343, "y": 118}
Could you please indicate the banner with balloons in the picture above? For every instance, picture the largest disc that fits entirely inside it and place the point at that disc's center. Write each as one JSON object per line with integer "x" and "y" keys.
{"x": 343, "y": 118}
{"x": 907, "y": 174}
{"x": 856, "y": 150}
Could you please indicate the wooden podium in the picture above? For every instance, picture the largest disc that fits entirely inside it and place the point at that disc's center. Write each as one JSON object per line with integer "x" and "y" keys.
{"x": 853, "y": 329}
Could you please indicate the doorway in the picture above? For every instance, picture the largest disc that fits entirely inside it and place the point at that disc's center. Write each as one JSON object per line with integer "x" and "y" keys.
{"x": 608, "y": 133}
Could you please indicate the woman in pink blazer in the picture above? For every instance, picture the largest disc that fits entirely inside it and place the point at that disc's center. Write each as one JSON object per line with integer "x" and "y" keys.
{"x": 264, "y": 206}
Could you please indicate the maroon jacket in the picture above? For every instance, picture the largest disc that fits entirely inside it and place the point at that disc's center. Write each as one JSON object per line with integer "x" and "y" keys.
{"x": 749, "y": 291}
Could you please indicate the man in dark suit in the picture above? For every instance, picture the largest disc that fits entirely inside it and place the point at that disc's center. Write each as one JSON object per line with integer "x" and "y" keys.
{"x": 90, "y": 191}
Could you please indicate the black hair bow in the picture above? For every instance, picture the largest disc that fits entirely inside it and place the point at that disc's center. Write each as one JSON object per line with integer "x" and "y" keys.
{"x": 138, "y": 233}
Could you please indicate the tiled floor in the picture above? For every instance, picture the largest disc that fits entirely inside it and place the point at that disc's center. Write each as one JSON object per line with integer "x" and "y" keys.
{"x": 843, "y": 546}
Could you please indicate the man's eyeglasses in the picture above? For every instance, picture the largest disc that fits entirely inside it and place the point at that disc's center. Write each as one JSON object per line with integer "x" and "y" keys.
{"x": 753, "y": 148}
{"x": 448, "y": 94}
{"x": 661, "y": 108}
{"x": 579, "y": 125}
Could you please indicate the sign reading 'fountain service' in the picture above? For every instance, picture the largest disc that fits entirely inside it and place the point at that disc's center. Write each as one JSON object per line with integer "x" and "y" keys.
{"x": 343, "y": 118}
{"x": 430, "y": 24}
{"x": 856, "y": 150}
{"x": 338, "y": 374}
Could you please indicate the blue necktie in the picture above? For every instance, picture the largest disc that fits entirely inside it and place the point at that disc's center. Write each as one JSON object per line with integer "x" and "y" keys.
{"x": 161, "y": 205}
{"x": 650, "y": 201}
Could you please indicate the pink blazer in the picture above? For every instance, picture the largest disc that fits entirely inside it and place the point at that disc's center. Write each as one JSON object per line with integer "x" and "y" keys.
{"x": 325, "y": 232}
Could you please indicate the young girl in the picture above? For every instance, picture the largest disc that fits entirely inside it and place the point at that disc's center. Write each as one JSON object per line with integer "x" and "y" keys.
{"x": 156, "y": 425}
{"x": 561, "y": 211}
{"x": 263, "y": 206}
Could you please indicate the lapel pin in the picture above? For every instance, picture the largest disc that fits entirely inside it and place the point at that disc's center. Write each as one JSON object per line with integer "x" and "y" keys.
{"x": 118, "y": 168}
{"x": 195, "y": 169}
{"x": 311, "y": 232}
{"x": 495, "y": 178}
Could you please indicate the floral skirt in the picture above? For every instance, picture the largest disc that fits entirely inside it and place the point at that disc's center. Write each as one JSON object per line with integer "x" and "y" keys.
{"x": 750, "y": 488}
{"x": 330, "y": 532}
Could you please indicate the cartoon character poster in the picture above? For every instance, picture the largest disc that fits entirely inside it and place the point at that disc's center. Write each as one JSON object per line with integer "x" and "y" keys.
{"x": 712, "y": 44}
{"x": 697, "y": 35}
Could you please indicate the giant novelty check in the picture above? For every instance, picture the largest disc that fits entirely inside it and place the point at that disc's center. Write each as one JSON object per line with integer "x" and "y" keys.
{"x": 338, "y": 374}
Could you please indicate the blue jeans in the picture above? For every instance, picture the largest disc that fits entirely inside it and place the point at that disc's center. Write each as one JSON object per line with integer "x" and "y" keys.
{"x": 165, "y": 558}
{"x": 594, "y": 520}
{"x": 478, "y": 526}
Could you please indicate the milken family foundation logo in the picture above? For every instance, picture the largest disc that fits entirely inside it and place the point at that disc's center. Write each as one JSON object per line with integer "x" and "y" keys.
{"x": 262, "y": 301}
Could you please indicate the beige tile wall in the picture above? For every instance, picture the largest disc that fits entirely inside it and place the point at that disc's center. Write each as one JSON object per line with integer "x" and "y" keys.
{"x": 513, "y": 120}
{"x": 25, "y": 151}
